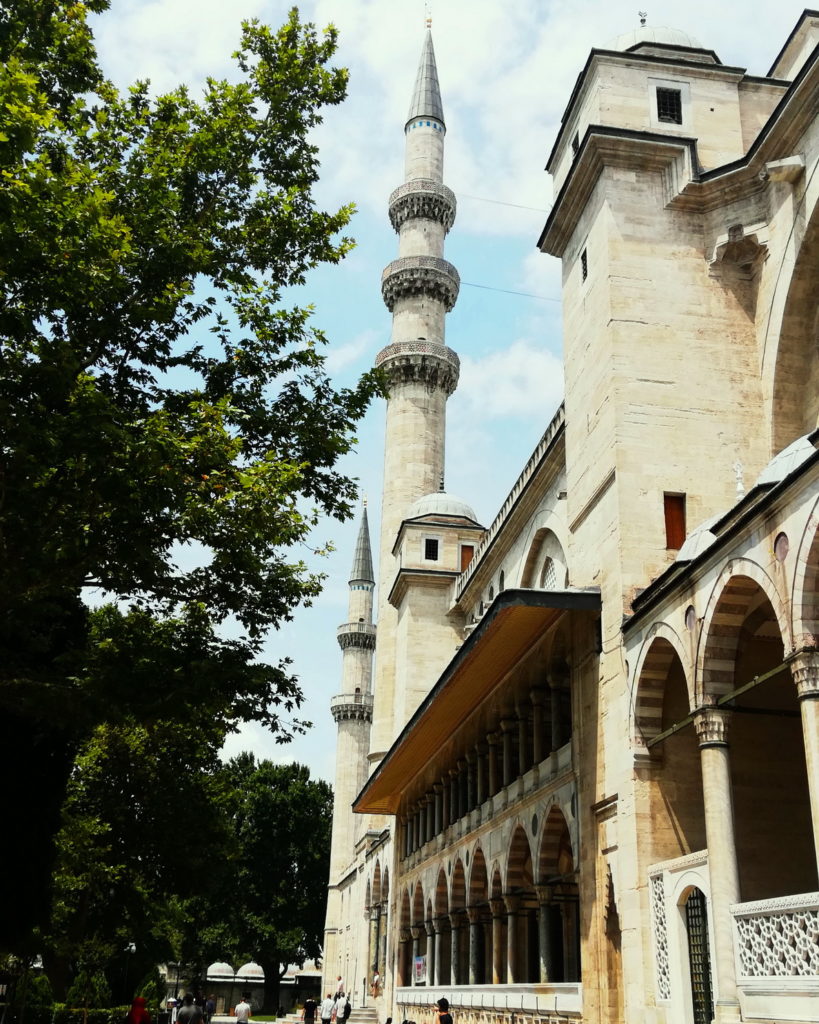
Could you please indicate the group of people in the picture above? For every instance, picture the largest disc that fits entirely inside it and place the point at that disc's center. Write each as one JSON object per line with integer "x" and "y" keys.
{"x": 336, "y": 1008}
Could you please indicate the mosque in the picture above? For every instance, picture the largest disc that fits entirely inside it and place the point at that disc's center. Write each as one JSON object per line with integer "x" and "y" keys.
{"x": 578, "y": 755}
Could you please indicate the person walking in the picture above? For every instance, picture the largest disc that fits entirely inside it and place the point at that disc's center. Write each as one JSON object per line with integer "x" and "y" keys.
{"x": 326, "y": 1009}
{"x": 308, "y": 1011}
{"x": 442, "y": 1011}
{"x": 190, "y": 1012}
{"x": 242, "y": 1012}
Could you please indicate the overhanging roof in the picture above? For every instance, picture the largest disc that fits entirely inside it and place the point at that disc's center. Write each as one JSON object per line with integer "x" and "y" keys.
{"x": 513, "y": 622}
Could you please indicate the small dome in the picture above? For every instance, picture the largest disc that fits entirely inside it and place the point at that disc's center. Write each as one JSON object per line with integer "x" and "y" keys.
{"x": 439, "y": 503}
{"x": 250, "y": 972}
{"x": 220, "y": 972}
{"x": 648, "y": 34}
{"x": 698, "y": 540}
{"x": 788, "y": 460}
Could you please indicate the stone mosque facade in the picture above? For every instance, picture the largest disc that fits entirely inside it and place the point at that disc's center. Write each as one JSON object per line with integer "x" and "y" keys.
{"x": 578, "y": 756}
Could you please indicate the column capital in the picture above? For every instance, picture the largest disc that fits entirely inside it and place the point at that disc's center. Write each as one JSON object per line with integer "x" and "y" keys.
{"x": 474, "y": 914}
{"x": 508, "y": 724}
{"x": 497, "y": 907}
{"x": 439, "y": 922}
{"x": 711, "y": 724}
{"x": 375, "y": 912}
{"x": 512, "y": 902}
{"x": 805, "y": 672}
{"x": 471, "y": 756}
{"x": 416, "y": 930}
{"x": 404, "y": 935}
{"x": 537, "y": 697}
{"x": 429, "y": 927}
{"x": 493, "y": 739}
{"x": 455, "y": 919}
{"x": 437, "y": 788}
{"x": 545, "y": 893}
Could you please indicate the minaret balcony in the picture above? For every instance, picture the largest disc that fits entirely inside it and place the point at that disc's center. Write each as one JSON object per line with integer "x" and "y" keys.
{"x": 423, "y": 362}
{"x": 358, "y": 706}
{"x": 356, "y": 634}
{"x": 428, "y": 277}
{"x": 424, "y": 199}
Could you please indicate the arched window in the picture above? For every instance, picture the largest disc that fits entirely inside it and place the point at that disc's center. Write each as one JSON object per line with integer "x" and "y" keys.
{"x": 501, "y": 582}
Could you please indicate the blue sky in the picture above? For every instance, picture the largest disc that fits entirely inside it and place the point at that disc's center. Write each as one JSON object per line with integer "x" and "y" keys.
{"x": 506, "y": 73}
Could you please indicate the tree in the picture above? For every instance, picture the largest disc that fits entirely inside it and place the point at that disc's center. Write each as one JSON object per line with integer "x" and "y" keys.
{"x": 168, "y": 433}
{"x": 274, "y": 897}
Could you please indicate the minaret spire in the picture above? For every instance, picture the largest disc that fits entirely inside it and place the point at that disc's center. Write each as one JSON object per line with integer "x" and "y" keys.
{"x": 363, "y": 560}
{"x": 419, "y": 289}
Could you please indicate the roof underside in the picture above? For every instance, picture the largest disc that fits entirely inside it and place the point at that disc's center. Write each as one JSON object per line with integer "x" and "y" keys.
{"x": 513, "y": 623}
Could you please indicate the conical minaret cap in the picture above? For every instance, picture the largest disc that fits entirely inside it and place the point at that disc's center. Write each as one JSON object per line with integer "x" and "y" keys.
{"x": 426, "y": 97}
{"x": 363, "y": 560}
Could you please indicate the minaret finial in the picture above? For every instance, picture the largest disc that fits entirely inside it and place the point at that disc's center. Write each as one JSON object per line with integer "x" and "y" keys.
{"x": 441, "y": 484}
{"x": 428, "y": 14}
{"x": 643, "y": 15}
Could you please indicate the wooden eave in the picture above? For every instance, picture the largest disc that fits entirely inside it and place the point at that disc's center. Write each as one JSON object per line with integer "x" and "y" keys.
{"x": 516, "y": 619}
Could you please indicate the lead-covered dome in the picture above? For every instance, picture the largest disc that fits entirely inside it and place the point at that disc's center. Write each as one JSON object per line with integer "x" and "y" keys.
{"x": 658, "y": 35}
{"x": 250, "y": 972}
{"x": 788, "y": 460}
{"x": 439, "y": 503}
{"x": 219, "y": 972}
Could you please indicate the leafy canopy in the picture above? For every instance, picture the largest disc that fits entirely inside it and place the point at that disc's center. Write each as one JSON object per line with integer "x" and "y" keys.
{"x": 168, "y": 433}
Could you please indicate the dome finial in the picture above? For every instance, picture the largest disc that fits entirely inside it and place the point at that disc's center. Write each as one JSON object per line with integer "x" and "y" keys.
{"x": 642, "y": 15}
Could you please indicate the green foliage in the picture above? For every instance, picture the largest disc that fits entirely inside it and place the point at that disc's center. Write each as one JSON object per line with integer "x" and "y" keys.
{"x": 169, "y": 432}
{"x": 65, "y": 1013}
{"x": 268, "y": 902}
{"x": 89, "y": 990}
{"x": 153, "y": 989}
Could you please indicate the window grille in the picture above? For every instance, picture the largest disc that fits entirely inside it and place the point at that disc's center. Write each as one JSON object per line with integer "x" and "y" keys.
{"x": 669, "y": 106}
{"x": 430, "y": 549}
{"x": 584, "y": 264}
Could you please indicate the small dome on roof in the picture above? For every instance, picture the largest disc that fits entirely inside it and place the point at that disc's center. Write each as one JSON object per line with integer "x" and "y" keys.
{"x": 698, "y": 540}
{"x": 649, "y": 34}
{"x": 787, "y": 461}
{"x": 439, "y": 503}
{"x": 220, "y": 972}
{"x": 250, "y": 972}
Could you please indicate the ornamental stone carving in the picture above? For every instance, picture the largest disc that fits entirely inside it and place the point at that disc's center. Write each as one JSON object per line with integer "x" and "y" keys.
{"x": 805, "y": 671}
{"x": 352, "y": 707}
{"x": 422, "y": 362}
{"x": 422, "y": 198}
{"x": 356, "y": 634}
{"x": 712, "y": 726}
{"x": 774, "y": 943}
{"x": 657, "y": 889}
{"x": 429, "y": 277}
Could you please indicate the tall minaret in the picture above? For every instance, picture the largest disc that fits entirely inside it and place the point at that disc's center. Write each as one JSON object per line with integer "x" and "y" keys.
{"x": 352, "y": 710}
{"x": 419, "y": 289}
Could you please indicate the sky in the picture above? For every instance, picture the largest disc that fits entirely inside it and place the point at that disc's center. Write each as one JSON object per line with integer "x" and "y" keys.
{"x": 506, "y": 73}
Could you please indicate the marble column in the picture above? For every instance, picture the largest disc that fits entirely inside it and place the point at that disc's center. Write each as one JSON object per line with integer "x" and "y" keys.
{"x": 429, "y": 830}
{"x": 480, "y": 772}
{"x": 438, "y": 825}
{"x": 492, "y": 741}
{"x": 432, "y": 977}
{"x": 446, "y": 814}
{"x": 471, "y": 786}
{"x": 512, "y": 903}
{"x": 463, "y": 803}
{"x": 437, "y": 925}
{"x": 556, "y": 696}
{"x": 404, "y": 956}
{"x": 523, "y": 739}
{"x": 475, "y": 972}
{"x": 453, "y": 795}
{"x": 536, "y": 697}
{"x": 373, "y": 957}
{"x": 417, "y": 931}
{"x": 497, "y": 907}
{"x": 805, "y": 669}
{"x": 507, "y": 725}
{"x": 711, "y": 724}
{"x": 545, "y": 931}
{"x": 454, "y": 959}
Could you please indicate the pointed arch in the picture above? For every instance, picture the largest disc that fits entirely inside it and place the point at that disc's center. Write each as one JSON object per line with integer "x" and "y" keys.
{"x": 740, "y": 591}
{"x": 806, "y": 585}
{"x": 376, "y": 888}
{"x": 545, "y": 548}
{"x": 418, "y": 904}
{"x": 457, "y": 899}
{"x": 478, "y": 882}
{"x": 661, "y": 648}
{"x": 519, "y": 862}
{"x": 385, "y": 887}
{"x": 554, "y": 840}
{"x": 441, "y": 895}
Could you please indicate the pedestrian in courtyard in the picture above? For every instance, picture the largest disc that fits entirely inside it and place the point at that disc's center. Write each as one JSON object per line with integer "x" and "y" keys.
{"x": 308, "y": 1011}
{"x": 442, "y": 1011}
{"x": 343, "y": 1014}
{"x": 326, "y": 1010}
{"x": 243, "y": 1011}
{"x": 190, "y": 1012}
{"x": 339, "y": 987}
{"x": 138, "y": 1014}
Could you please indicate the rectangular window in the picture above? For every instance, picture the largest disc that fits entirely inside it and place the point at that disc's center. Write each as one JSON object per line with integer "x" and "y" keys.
{"x": 430, "y": 549}
{"x": 674, "y": 507}
{"x": 467, "y": 551}
{"x": 584, "y": 265}
{"x": 669, "y": 106}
